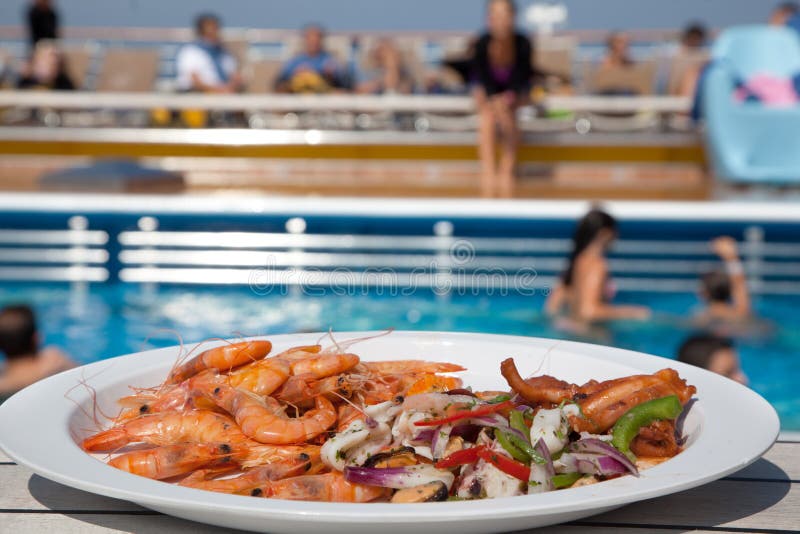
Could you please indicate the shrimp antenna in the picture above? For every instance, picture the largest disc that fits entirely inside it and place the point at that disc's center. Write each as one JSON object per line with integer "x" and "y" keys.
{"x": 545, "y": 358}
{"x": 341, "y": 347}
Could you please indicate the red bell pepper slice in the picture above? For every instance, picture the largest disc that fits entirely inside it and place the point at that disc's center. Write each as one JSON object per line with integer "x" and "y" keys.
{"x": 505, "y": 464}
{"x": 462, "y": 457}
{"x": 486, "y": 409}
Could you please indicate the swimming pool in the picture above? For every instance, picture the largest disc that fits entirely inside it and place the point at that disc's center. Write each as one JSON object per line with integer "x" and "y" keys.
{"x": 108, "y": 320}
{"x": 119, "y": 280}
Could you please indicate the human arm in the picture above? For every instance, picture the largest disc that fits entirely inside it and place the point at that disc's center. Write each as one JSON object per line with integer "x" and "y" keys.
{"x": 482, "y": 68}
{"x": 555, "y": 300}
{"x": 726, "y": 249}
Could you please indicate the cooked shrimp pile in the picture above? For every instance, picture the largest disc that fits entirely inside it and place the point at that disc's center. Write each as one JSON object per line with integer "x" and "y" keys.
{"x": 321, "y": 425}
{"x": 236, "y": 419}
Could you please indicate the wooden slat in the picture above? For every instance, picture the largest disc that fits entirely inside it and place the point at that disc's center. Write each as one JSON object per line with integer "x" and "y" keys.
{"x": 95, "y": 524}
{"x": 730, "y": 504}
{"x": 158, "y": 524}
{"x": 764, "y": 497}
{"x": 20, "y": 490}
{"x": 782, "y": 462}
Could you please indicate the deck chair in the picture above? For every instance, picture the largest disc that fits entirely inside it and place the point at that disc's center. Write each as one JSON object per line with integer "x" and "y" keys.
{"x": 749, "y": 142}
{"x": 638, "y": 78}
{"x": 680, "y": 64}
{"x": 78, "y": 61}
{"x": 260, "y": 75}
{"x": 238, "y": 48}
{"x": 553, "y": 56}
{"x": 128, "y": 70}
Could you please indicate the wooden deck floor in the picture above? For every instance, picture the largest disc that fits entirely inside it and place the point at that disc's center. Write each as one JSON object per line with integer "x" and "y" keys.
{"x": 425, "y": 178}
{"x": 762, "y": 498}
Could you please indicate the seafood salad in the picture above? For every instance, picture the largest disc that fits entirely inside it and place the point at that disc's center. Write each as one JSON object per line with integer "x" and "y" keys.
{"x": 320, "y": 424}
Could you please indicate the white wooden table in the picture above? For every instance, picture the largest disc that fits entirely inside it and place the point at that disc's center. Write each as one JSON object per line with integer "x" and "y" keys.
{"x": 763, "y": 498}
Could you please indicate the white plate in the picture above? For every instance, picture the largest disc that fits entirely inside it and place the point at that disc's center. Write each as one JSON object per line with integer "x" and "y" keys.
{"x": 729, "y": 427}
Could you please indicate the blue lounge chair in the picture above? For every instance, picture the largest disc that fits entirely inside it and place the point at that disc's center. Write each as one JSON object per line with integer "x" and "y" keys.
{"x": 748, "y": 142}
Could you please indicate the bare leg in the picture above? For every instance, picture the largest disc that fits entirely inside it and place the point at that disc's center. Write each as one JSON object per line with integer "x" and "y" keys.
{"x": 507, "y": 121}
{"x": 486, "y": 144}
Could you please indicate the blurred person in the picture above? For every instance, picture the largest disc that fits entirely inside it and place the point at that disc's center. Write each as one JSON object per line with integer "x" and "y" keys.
{"x": 585, "y": 290}
{"x": 783, "y": 14}
{"x": 618, "y": 52}
{"x": 384, "y": 71}
{"x": 314, "y": 69}
{"x": 26, "y": 361}
{"x": 45, "y": 70}
{"x": 42, "y": 22}
{"x": 694, "y": 37}
{"x": 617, "y": 59}
{"x": 693, "y": 43}
{"x": 205, "y": 65}
{"x": 503, "y": 71}
{"x": 725, "y": 291}
{"x": 715, "y": 353}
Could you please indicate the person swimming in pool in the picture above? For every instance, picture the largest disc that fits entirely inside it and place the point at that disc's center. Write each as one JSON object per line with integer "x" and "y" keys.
{"x": 585, "y": 290}
{"x": 725, "y": 290}
{"x": 26, "y": 362}
{"x": 715, "y": 353}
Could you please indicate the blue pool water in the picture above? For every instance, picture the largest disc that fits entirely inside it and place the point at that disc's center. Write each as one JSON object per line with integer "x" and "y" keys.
{"x": 100, "y": 321}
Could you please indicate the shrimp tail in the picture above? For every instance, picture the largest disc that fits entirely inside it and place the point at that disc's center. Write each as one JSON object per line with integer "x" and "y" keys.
{"x": 107, "y": 440}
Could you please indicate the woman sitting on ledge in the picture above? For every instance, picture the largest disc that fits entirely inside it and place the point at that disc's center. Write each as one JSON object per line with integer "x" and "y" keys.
{"x": 502, "y": 67}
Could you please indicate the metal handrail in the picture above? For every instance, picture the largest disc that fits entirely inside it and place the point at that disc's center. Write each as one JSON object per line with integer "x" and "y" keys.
{"x": 271, "y": 241}
{"x": 508, "y": 264}
{"x": 53, "y": 237}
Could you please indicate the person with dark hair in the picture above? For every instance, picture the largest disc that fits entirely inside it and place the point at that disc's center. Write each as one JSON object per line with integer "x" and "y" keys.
{"x": 784, "y": 13}
{"x": 717, "y": 354}
{"x": 314, "y": 69}
{"x": 26, "y": 362}
{"x": 694, "y": 36}
{"x": 585, "y": 289}
{"x": 206, "y": 65}
{"x": 725, "y": 291}
{"x": 45, "y": 70}
{"x": 42, "y": 22}
{"x": 502, "y": 70}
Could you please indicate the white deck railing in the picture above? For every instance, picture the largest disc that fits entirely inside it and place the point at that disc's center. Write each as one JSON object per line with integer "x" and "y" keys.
{"x": 300, "y": 103}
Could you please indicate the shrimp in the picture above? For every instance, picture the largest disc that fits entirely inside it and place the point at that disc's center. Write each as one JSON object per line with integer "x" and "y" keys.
{"x": 299, "y": 391}
{"x": 195, "y": 426}
{"x": 411, "y": 367}
{"x": 324, "y": 365}
{"x": 430, "y": 383}
{"x": 299, "y": 353}
{"x": 223, "y": 358}
{"x": 264, "y": 419}
{"x": 174, "y": 460}
{"x": 262, "y": 377}
{"x": 330, "y": 487}
{"x": 250, "y": 479}
{"x": 173, "y": 397}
